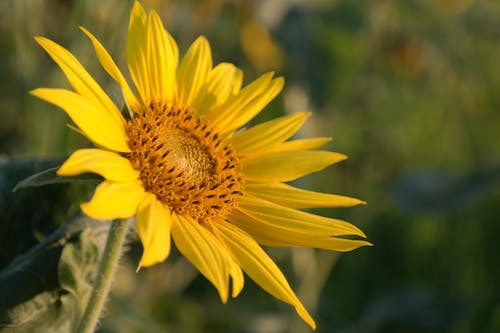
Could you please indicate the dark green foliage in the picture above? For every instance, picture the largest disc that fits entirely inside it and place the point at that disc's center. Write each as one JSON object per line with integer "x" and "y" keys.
{"x": 47, "y": 288}
{"x": 29, "y": 215}
{"x": 49, "y": 176}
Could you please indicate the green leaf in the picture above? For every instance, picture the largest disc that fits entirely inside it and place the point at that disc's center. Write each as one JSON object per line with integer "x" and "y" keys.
{"x": 50, "y": 176}
{"x": 76, "y": 267}
{"x": 47, "y": 288}
{"x": 27, "y": 217}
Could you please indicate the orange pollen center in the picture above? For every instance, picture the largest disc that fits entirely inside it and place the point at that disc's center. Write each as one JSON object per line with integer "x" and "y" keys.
{"x": 183, "y": 161}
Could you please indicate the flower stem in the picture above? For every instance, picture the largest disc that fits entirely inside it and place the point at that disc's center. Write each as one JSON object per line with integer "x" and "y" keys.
{"x": 107, "y": 269}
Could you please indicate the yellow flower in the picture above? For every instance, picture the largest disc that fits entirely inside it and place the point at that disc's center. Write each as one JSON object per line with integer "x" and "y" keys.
{"x": 185, "y": 167}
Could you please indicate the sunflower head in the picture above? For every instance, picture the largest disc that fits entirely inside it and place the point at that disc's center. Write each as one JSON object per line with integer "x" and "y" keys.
{"x": 185, "y": 166}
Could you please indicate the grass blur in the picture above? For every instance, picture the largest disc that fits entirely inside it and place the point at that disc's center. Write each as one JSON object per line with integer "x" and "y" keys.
{"x": 409, "y": 89}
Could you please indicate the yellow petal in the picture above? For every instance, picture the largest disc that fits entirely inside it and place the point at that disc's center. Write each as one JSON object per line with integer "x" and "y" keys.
{"x": 253, "y": 108}
{"x": 203, "y": 250}
{"x": 89, "y": 116}
{"x": 271, "y": 235}
{"x": 105, "y": 163}
{"x": 301, "y": 144}
{"x": 287, "y": 166}
{"x": 136, "y": 50}
{"x": 259, "y": 267}
{"x": 114, "y": 200}
{"x": 223, "y": 81}
{"x": 234, "y": 270}
{"x": 109, "y": 65}
{"x": 153, "y": 226}
{"x": 225, "y": 113}
{"x": 289, "y": 196}
{"x": 161, "y": 57}
{"x": 193, "y": 71}
{"x": 237, "y": 278}
{"x": 294, "y": 220}
{"x": 79, "y": 78}
{"x": 248, "y": 103}
{"x": 260, "y": 138}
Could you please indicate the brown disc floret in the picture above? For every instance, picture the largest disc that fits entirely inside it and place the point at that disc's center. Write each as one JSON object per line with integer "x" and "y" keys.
{"x": 182, "y": 160}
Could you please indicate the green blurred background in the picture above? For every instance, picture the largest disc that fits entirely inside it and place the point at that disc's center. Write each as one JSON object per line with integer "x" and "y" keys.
{"x": 409, "y": 89}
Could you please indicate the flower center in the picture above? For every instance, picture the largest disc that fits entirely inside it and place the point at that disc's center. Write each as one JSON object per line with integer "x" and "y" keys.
{"x": 182, "y": 160}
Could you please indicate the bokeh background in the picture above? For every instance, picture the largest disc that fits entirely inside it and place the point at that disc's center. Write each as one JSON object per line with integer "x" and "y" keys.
{"x": 409, "y": 89}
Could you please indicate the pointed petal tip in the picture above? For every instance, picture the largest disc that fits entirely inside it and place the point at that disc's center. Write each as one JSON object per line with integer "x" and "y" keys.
{"x": 45, "y": 42}
{"x": 36, "y": 92}
{"x": 303, "y": 114}
{"x": 137, "y": 6}
{"x": 270, "y": 73}
{"x": 85, "y": 31}
{"x": 359, "y": 232}
{"x": 201, "y": 39}
{"x": 147, "y": 263}
{"x": 353, "y": 230}
{"x": 40, "y": 39}
{"x": 61, "y": 171}
{"x": 335, "y": 157}
{"x": 358, "y": 244}
{"x": 356, "y": 202}
{"x": 279, "y": 82}
{"x": 137, "y": 12}
{"x": 224, "y": 297}
{"x": 342, "y": 157}
{"x": 304, "y": 314}
{"x": 327, "y": 139}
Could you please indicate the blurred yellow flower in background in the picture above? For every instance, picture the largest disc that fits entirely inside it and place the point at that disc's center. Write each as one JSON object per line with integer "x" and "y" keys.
{"x": 184, "y": 166}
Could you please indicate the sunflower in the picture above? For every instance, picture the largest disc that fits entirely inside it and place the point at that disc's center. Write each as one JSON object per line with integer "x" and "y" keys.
{"x": 183, "y": 164}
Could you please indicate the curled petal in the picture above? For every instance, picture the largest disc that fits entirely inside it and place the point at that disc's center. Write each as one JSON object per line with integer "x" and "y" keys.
{"x": 89, "y": 116}
{"x": 105, "y": 163}
{"x": 153, "y": 226}
{"x": 114, "y": 200}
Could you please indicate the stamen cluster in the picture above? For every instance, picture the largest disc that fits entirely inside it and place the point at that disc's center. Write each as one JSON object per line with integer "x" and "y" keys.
{"x": 183, "y": 161}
